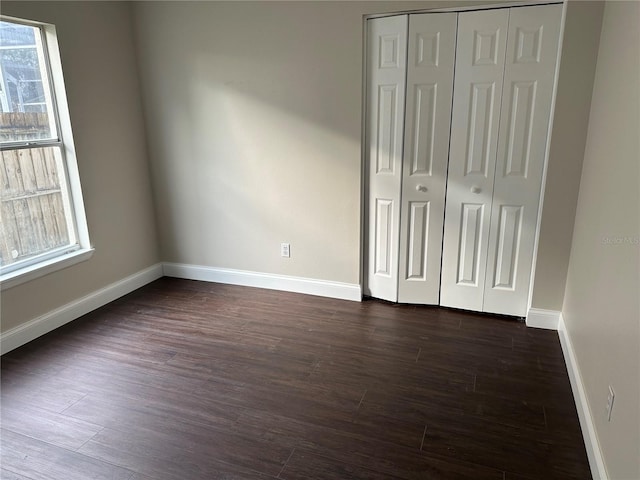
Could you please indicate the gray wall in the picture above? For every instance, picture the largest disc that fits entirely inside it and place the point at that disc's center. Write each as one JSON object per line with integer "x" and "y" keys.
{"x": 254, "y": 117}
{"x": 96, "y": 47}
{"x": 575, "y": 85}
{"x": 601, "y": 306}
{"x": 254, "y": 127}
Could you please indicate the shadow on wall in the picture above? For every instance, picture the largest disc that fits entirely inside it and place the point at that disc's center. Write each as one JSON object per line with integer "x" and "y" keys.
{"x": 254, "y": 117}
{"x": 258, "y": 133}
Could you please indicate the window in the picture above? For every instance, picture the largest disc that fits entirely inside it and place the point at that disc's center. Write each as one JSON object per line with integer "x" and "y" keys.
{"x": 43, "y": 225}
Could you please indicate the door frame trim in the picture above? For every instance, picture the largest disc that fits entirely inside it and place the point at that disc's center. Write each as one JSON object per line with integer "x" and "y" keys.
{"x": 469, "y": 8}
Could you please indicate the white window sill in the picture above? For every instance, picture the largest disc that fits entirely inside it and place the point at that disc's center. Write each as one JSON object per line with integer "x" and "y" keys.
{"x": 41, "y": 269}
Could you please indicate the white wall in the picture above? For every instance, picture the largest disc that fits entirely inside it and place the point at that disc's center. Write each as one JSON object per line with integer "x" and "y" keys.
{"x": 254, "y": 110}
{"x": 254, "y": 126}
{"x": 254, "y": 118}
{"x": 575, "y": 86}
{"x": 601, "y": 306}
{"x": 103, "y": 92}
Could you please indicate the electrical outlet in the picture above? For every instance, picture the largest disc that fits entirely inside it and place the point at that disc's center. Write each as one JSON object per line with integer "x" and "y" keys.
{"x": 285, "y": 250}
{"x": 610, "y": 398}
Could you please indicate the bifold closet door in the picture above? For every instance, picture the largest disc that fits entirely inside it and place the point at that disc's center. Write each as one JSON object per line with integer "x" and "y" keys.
{"x": 502, "y": 101}
{"x": 530, "y": 65}
{"x": 482, "y": 38}
{"x": 407, "y": 152}
{"x": 430, "y": 63}
{"x": 386, "y": 79}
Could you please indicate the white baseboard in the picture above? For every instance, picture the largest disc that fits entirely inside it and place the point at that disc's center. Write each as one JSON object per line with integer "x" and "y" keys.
{"x": 322, "y": 288}
{"x": 37, "y": 327}
{"x": 33, "y": 329}
{"x": 596, "y": 461}
{"x": 539, "y": 318}
{"x": 552, "y": 320}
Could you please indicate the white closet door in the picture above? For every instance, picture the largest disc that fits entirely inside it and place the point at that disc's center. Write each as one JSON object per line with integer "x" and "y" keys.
{"x": 431, "y": 57}
{"x": 532, "y": 48}
{"x": 474, "y": 139}
{"x": 387, "y": 54}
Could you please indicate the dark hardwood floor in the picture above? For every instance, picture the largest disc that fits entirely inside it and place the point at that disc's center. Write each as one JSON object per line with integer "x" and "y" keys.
{"x": 186, "y": 380}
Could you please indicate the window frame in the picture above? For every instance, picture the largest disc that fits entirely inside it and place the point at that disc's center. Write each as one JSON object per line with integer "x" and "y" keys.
{"x": 80, "y": 248}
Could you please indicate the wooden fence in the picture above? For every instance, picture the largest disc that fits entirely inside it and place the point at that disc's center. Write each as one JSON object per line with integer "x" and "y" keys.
{"x": 23, "y": 126}
{"x": 32, "y": 208}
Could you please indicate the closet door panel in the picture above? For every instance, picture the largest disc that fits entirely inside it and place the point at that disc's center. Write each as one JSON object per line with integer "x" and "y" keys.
{"x": 532, "y": 48}
{"x": 386, "y": 77}
{"x": 481, "y": 47}
{"x": 431, "y": 57}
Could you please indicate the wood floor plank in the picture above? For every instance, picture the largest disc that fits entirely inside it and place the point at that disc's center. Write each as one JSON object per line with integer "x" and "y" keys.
{"x": 185, "y": 380}
{"x": 327, "y": 408}
{"x": 198, "y": 453}
{"x": 140, "y": 476}
{"x": 50, "y": 427}
{"x": 307, "y": 466}
{"x": 49, "y": 393}
{"x": 360, "y": 449}
{"x": 137, "y": 411}
{"x": 524, "y": 387}
{"x": 8, "y": 475}
{"x": 39, "y": 460}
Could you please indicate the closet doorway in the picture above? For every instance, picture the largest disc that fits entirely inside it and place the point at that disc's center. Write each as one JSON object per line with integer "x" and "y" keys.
{"x": 458, "y": 108}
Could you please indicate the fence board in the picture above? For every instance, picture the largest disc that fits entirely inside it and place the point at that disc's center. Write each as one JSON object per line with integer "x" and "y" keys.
{"x": 33, "y": 216}
{"x": 57, "y": 209}
{"x": 34, "y": 120}
{"x": 31, "y": 226}
{"x": 48, "y": 158}
{"x": 53, "y": 218}
{"x": 37, "y": 224}
{"x": 26, "y": 171}
{"x": 42, "y": 176}
{"x": 49, "y": 223}
{"x": 10, "y": 238}
{"x": 14, "y": 177}
{"x": 4, "y": 181}
{"x": 15, "y": 126}
{"x": 23, "y": 223}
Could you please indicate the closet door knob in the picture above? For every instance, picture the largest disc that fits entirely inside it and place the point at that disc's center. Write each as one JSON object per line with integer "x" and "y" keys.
{"x": 475, "y": 189}
{"x": 421, "y": 188}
